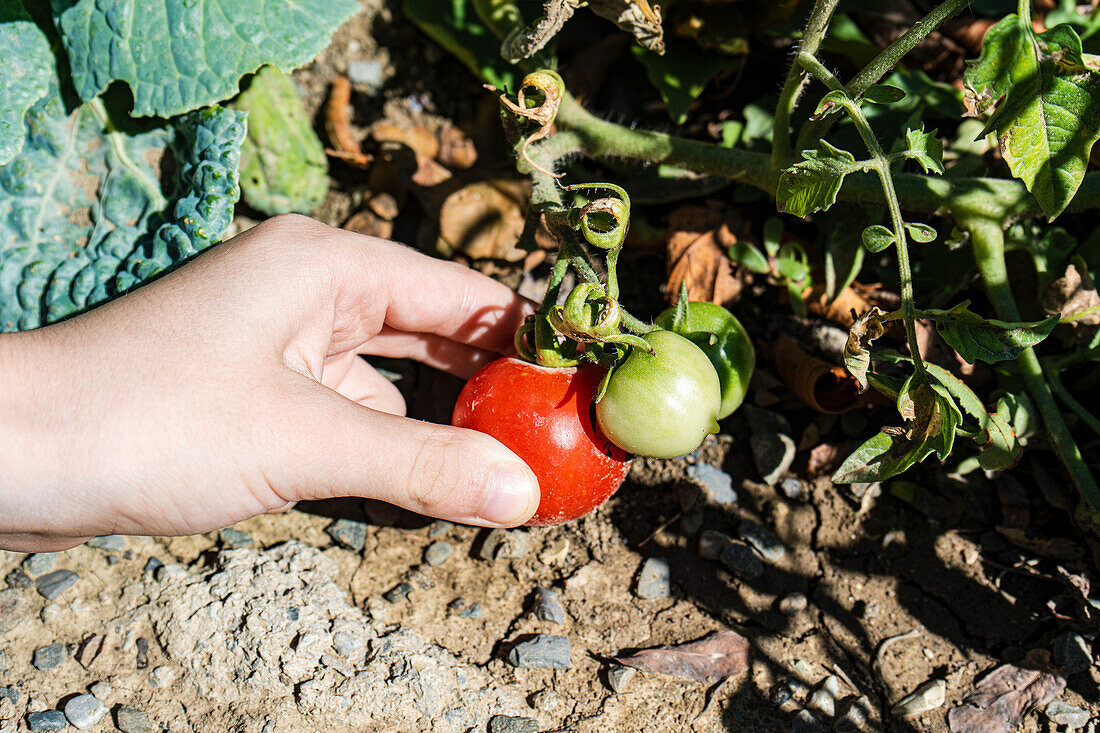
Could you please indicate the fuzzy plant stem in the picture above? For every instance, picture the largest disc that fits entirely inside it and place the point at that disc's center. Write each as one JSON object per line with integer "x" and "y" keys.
{"x": 987, "y": 239}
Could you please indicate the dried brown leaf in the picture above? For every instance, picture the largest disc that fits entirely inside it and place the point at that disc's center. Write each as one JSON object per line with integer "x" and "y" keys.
{"x": 483, "y": 222}
{"x": 636, "y": 17}
{"x": 715, "y": 657}
{"x": 456, "y": 150}
{"x": 429, "y": 173}
{"x": 416, "y": 137}
{"x": 999, "y": 703}
{"x": 697, "y": 259}
{"x": 825, "y": 387}
{"x": 369, "y": 223}
{"x": 1056, "y": 548}
{"x": 823, "y": 461}
{"x": 1072, "y": 295}
{"x": 384, "y": 205}
{"x": 338, "y": 125}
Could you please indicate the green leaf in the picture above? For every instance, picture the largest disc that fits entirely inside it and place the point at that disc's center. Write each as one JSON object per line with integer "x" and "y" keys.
{"x": 749, "y": 257}
{"x": 681, "y": 73}
{"x": 988, "y": 340}
{"x": 27, "y": 64}
{"x": 1000, "y": 448}
{"x": 883, "y": 94}
{"x": 926, "y": 149}
{"x": 1047, "y": 106}
{"x": 178, "y": 55}
{"x": 920, "y": 233}
{"x": 461, "y": 33}
{"x": 773, "y": 235}
{"x": 832, "y": 103}
{"x": 283, "y": 163}
{"x": 813, "y": 184}
{"x": 880, "y": 457}
{"x": 117, "y": 226}
{"x": 877, "y": 238}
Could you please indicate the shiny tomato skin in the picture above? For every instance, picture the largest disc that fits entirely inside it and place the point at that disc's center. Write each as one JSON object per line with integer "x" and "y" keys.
{"x": 544, "y": 416}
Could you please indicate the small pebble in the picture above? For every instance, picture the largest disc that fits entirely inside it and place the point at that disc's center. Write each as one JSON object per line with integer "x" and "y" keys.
{"x": 53, "y": 584}
{"x": 546, "y": 700}
{"x": 620, "y": 676}
{"x": 792, "y": 488}
{"x": 928, "y": 696}
{"x": 548, "y": 606}
{"x": 39, "y": 563}
{"x": 438, "y": 552}
{"x": 109, "y": 542}
{"x": 132, "y": 720}
{"x": 9, "y": 694}
{"x": 49, "y": 657}
{"x": 512, "y": 724}
{"x": 716, "y": 483}
{"x": 781, "y": 693}
{"x": 162, "y": 676}
{"x": 398, "y": 593}
{"x": 84, "y": 711}
{"x": 541, "y": 652}
{"x": 653, "y": 579}
{"x": 18, "y": 579}
{"x": 742, "y": 561}
{"x": 1070, "y": 716}
{"x": 691, "y": 521}
{"x": 152, "y": 564}
{"x": 441, "y": 527}
{"x": 346, "y": 644}
{"x": 807, "y": 722}
{"x": 793, "y": 604}
{"x": 456, "y": 605}
{"x": 235, "y": 538}
{"x": 142, "y": 660}
{"x": 3, "y": 660}
{"x": 712, "y": 543}
{"x": 471, "y": 611}
{"x": 823, "y": 699}
{"x": 854, "y": 717}
{"x": 102, "y": 690}
{"x": 112, "y": 559}
{"x": 1072, "y": 653}
{"x": 47, "y": 720}
{"x": 763, "y": 541}
{"x": 773, "y": 453}
{"x": 502, "y": 544}
{"x": 367, "y": 76}
{"x": 348, "y": 534}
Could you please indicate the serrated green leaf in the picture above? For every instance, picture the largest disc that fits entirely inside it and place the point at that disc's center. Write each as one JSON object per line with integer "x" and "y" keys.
{"x": 1000, "y": 448}
{"x": 179, "y": 55}
{"x": 813, "y": 184}
{"x": 877, "y": 238}
{"x": 283, "y": 163}
{"x": 926, "y": 149}
{"x": 920, "y": 233}
{"x": 680, "y": 74}
{"x": 879, "y": 458}
{"x": 989, "y": 340}
{"x": 85, "y": 217}
{"x": 883, "y": 94}
{"x": 27, "y": 64}
{"x": 1048, "y": 114}
{"x": 749, "y": 257}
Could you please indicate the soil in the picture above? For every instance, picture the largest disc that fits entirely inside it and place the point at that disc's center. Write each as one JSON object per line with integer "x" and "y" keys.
{"x": 899, "y": 589}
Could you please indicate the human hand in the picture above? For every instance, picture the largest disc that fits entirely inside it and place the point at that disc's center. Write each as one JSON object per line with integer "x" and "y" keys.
{"x": 234, "y": 387}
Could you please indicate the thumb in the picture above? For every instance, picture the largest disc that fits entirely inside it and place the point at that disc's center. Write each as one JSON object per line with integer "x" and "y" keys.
{"x": 330, "y": 446}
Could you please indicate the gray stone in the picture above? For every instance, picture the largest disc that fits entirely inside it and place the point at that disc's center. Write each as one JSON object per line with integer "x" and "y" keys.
{"x": 548, "y": 606}
{"x": 235, "y": 538}
{"x": 349, "y": 534}
{"x": 132, "y": 720}
{"x": 47, "y": 720}
{"x": 793, "y": 604}
{"x": 714, "y": 481}
{"x": 620, "y": 676}
{"x": 13, "y": 609}
{"x": 762, "y": 540}
{"x": 541, "y": 652}
{"x": 347, "y": 644}
{"x": 49, "y": 657}
{"x": 743, "y": 561}
{"x": 792, "y": 488}
{"x": 398, "y": 593}
{"x": 52, "y": 585}
{"x": 439, "y": 528}
{"x": 1072, "y": 653}
{"x": 438, "y": 552}
{"x": 10, "y": 694}
{"x": 102, "y": 690}
{"x": 18, "y": 579}
{"x": 712, "y": 543}
{"x": 84, "y": 711}
{"x": 162, "y": 676}
{"x": 368, "y": 76}
{"x": 1070, "y": 716}
{"x": 928, "y": 696}
{"x": 502, "y": 544}
{"x": 653, "y": 579}
{"x": 773, "y": 454}
{"x": 152, "y": 564}
{"x": 109, "y": 542}
{"x": 39, "y": 563}
{"x": 823, "y": 699}
{"x": 3, "y": 660}
{"x": 471, "y": 611}
{"x": 512, "y": 724}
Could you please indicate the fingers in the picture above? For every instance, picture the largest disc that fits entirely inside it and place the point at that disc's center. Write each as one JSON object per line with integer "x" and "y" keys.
{"x": 435, "y": 351}
{"x": 355, "y": 379}
{"x": 325, "y": 446}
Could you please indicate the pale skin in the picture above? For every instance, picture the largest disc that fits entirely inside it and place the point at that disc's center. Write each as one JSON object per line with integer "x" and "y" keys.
{"x": 234, "y": 387}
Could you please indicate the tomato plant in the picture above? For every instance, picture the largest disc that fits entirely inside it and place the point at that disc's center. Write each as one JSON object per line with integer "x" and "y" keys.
{"x": 730, "y": 350}
{"x": 543, "y": 415}
{"x": 661, "y": 404}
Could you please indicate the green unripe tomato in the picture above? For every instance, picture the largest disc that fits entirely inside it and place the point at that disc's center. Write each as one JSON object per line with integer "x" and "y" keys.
{"x": 661, "y": 405}
{"x": 732, "y": 355}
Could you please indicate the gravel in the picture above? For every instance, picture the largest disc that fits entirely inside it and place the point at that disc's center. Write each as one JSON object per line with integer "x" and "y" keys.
{"x": 52, "y": 585}
{"x": 653, "y": 579}
{"x": 398, "y": 593}
{"x": 132, "y": 720}
{"x": 619, "y": 677}
{"x": 712, "y": 543}
{"x": 235, "y": 538}
{"x": 10, "y": 694}
{"x": 367, "y": 76}
{"x": 39, "y": 563}
{"x": 347, "y": 644}
{"x": 793, "y": 604}
{"x": 502, "y": 544}
{"x": 108, "y": 542}
{"x": 18, "y": 580}
{"x": 512, "y": 724}
{"x": 792, "y": 488}
{"x": 438, "y": 552}
{"x": 542, "y": 651}
{"x": 763, "y": 541}
{"x": 1072, "y": 653}
{"x": 348, "y": 534}
{"x": 47, "y": 720}
{"x": 1064, "y": 714}
{"x": 743, "y": 561}
{"x": 548, "y": 606}
{"x": 84, "y": 711}
{"x": 716, "y": 483}
{"x": 471, "y": 611}
{"x": 49, "y": 657}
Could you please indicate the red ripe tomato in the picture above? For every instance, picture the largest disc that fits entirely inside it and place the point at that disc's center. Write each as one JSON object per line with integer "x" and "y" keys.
{"x": 543, "y": 415}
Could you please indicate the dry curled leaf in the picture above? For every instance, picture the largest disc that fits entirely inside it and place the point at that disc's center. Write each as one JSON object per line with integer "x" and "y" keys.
{"x": 715, "y": 657}
{"x": 857, "y": 355}
{"x": 636, "y": 17}
{"x": 456, "y": 150}
{"x": 525, "y": 42}
{"x": 338, "y": 125}
{"x": 484, "y": 221}
{"x": 999, "y": 703}
{"x": 825, "y": 387}
{"x": 696, "y": 257}
{"x": 384, "y": 205}
{"x": 369, "y": 223}
{"x": 1074, "y": 298}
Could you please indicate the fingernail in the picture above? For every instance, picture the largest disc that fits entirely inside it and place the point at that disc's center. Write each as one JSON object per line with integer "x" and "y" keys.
{"x": 510, "y": 490}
